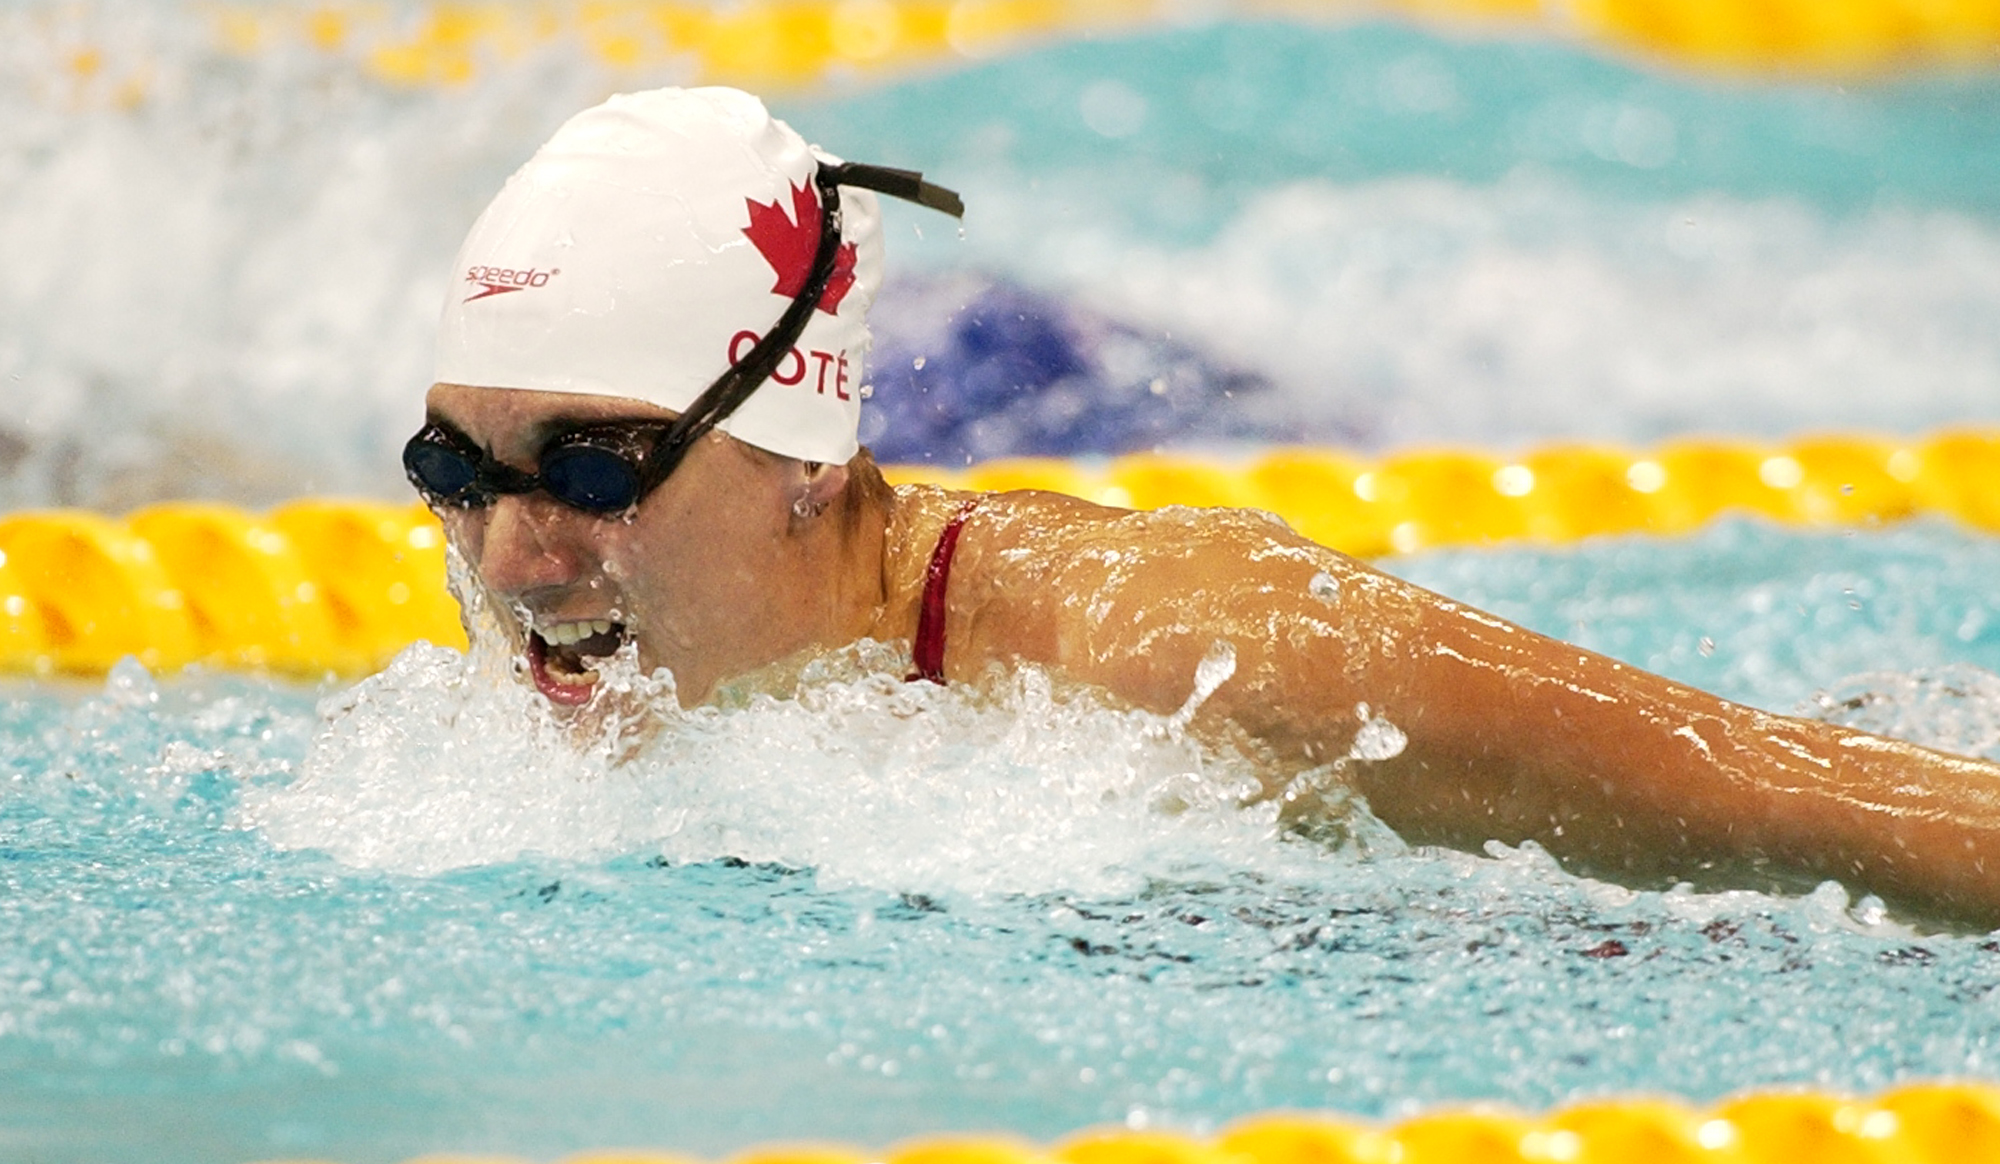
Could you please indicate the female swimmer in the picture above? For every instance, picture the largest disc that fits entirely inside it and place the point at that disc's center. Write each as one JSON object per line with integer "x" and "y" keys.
{"x": 643, "y": 430}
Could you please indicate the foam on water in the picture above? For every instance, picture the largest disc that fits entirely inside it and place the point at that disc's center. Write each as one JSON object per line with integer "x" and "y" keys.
{"x": 1010, "y": 907}
{"x": 1955, "y": 707}
{"x": 429, "y": 915}
{"x": 1016, "y": 785}
{"x": 1425, "y": 309}
{"x": 1020, "y": 783}
{"x": 227, "y": 288}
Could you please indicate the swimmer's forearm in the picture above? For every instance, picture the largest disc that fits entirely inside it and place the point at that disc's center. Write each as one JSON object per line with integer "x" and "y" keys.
{"x": 1636, "y": 777}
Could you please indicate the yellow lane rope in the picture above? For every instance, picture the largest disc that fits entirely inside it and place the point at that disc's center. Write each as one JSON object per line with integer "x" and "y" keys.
{"x": 1923, "y": 1124}
{"x": 781, "y": 44}
{"x": 794, "y": 42}
{"x": 317, "y": 586}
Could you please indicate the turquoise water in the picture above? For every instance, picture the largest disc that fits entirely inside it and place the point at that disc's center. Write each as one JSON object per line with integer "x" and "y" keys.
{"x": 240, "y": 920}
{"x": 1352, "y": 232}
{"x": 1241, "y": 106}
{"x": 1056, "y": 950}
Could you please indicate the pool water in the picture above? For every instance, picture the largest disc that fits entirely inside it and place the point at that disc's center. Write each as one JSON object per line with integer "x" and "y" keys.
{"x": 254, "y": 921}
{"x": 1191, "y": 235}
{"x": 241, "y": 920}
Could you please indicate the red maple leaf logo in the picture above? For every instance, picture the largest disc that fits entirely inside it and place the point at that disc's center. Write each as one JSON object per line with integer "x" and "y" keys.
{"x": 788, "y": 242}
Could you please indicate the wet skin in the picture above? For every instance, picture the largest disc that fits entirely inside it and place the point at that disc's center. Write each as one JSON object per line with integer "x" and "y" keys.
{"x": 714, "y": 574}
{"x": 743, "y": 560}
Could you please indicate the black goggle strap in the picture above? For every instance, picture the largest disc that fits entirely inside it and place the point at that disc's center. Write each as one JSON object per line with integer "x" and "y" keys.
{"x": 909, "y": 185}
{"x": 734, "y": 386}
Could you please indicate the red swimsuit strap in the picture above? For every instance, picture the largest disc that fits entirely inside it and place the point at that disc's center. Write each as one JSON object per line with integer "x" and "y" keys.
{"x": 928, "y": 654}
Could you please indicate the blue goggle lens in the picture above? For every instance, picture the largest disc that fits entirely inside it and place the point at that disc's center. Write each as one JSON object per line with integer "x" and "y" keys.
{"x": 586, "y": 477}
{"x": 440, "y": 471}
{"x": 596, "y": 471}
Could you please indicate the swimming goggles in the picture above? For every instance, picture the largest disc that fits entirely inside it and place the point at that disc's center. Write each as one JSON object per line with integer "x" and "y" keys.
{"x": 599, "y": 469}
{"x": 594, "y": 469}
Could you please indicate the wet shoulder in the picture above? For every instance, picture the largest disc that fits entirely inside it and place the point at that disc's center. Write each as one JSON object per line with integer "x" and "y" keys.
{"x": 1039, "y": 573}
{"x": 1028, "y": 533}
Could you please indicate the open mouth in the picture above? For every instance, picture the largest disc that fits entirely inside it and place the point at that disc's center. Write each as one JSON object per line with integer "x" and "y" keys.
{"x": 562, "y": 657}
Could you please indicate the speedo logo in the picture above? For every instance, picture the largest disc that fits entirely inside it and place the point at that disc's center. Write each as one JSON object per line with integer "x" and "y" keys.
{"x": 502, "y": 280}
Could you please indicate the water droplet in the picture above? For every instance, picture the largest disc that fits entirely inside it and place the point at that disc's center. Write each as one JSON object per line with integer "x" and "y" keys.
{"x": 1706, "y": 646}
{"x": 867, "y": 391}
{"x": 1378, "y": 739}
{"x": 918, "y": 363}
{"x": 1324, "y": 587}
{"x": 129, "y": 684}
{"x": 1212, "y": 672}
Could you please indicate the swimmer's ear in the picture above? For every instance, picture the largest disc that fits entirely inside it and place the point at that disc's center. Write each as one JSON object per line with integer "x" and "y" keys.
{"x": 818, "y": 485}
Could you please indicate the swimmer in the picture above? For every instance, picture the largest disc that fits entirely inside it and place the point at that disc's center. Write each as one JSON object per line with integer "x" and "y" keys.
{"x": 643, "y": 432}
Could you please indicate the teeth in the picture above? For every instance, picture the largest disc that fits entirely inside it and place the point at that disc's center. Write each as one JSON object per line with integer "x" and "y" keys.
{"x": 565, "y": 634}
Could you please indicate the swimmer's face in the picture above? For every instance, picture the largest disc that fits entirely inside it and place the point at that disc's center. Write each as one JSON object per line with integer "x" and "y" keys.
{"x": 693, "y": 574}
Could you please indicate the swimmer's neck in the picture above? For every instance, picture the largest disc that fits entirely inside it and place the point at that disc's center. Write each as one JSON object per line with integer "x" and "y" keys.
{"x": 857, "y": 573}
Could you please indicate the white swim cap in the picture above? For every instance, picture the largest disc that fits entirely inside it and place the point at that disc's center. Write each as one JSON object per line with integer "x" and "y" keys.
{"x": 647, "y": 247}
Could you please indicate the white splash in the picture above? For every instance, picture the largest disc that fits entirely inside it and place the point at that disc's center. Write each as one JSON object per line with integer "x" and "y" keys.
{"x": 1955, "y": 707}
{"x": 1215, "y": 669}
{"x": 1526, "y": 309}
{"x": 1014, "y": 784}
{"x": 1378, "y": 739}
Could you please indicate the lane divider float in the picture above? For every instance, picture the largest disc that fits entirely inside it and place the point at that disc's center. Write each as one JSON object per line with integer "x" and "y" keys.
{"x": 789, "y": 43}
{"x": 792, "y": 44}
{"x": 324, "y": 586}
{"x": 1939, "y": 1123}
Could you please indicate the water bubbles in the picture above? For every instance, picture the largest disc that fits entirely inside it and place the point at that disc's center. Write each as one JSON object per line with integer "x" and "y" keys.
{"x": 1378, "y": 739}
{"x": 130, "y": 685}
{"x": 1954, "y": 707}
{"x": 918, "y": 363}
{"x": 1215, "y": 668}
{"x": 1019, "y": 782}
{"x": 1324, "y": 587}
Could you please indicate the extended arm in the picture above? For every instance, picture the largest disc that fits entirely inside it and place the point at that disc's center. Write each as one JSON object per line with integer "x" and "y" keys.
{"x": 1511, "y": 735}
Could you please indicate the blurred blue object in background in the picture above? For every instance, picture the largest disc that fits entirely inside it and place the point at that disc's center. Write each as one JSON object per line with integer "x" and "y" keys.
{"x": 1015, "y": 372}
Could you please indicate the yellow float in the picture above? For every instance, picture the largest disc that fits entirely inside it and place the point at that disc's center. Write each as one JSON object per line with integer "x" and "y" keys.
{"x": 1940, "y": 1123}
{"x": 774, "y": 45}
{"x": 319, "y": 586}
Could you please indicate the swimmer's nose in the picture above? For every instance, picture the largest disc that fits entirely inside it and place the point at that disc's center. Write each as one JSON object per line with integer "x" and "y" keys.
{"x": 529, "y": 544}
